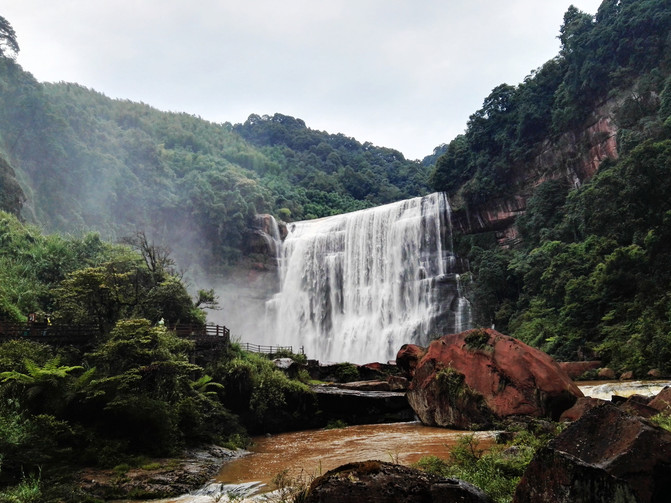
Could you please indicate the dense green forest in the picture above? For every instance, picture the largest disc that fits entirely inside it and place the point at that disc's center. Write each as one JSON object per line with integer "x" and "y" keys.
{"x": 72, "y": 159}
{"x": 592, "y": 274}
{"x": 589, "y": 277}
{"x": 136, "y": 390}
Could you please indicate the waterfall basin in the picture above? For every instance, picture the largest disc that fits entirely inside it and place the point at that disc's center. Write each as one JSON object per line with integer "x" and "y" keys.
{"x": 308, "y": 454}
{"x": 303, "y": 455}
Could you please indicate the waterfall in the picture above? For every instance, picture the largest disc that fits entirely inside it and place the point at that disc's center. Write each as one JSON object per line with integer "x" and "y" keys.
{"x": 356, "y": 287}
{"x": 464, "y": 315}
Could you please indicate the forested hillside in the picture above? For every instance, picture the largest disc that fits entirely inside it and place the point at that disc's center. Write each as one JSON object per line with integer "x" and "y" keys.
{"x": 582, "y": 273}
{"x": 588, "y": 273}
{"x": 73, "y": 160}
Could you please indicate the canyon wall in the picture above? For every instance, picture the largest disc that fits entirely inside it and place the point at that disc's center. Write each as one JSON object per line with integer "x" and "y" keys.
{"x": 574, "y": 157}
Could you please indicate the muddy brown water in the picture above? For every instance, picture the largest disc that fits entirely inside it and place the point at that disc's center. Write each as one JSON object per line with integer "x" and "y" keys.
{"x": 306, "y": 454}
{"x": 313, "y": 452}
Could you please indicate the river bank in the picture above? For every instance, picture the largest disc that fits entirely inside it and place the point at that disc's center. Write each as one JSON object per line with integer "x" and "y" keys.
{"x": 210, "y": 474}
{"x": 158, "y": 478}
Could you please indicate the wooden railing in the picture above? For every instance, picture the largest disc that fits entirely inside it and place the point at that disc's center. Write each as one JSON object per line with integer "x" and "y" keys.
{"x": 13, "y": 330}
{"x": 271, "y": 350}
{"x": 190, "y": 331}
{"x": 84, "y": 334}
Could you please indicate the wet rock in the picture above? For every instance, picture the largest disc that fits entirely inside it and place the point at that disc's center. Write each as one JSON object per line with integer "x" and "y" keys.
{"x": 577, "y": 369}
{"x": 392, "y": 383}
{"x": 662, "y": 402}
{"x": 367, "y": 386}
{"x": 627, "y": 376}
{"x": 654, "y": 373}
{"x": 398, "y": 383}
{"x": 171, "y": 477}
{"x": 478, "y": 377}
{"x": 607, "y": 455}
{"x": 408, "y": 357}
{"x": 581, "y": 406}
{"x": 638, "y": 405}
{"x": 606, "y": 373}
{"x": 356, "y": 406}
{"x": 376, "y": 370}
{"x": 379, "y": 482}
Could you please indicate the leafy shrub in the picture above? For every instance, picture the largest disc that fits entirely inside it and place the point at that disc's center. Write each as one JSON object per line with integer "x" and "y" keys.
{"x": 347, "y": 372}
{"x": 478, "y": 339}
{"x": 263, "y": 395}
{"x": 497, "y": 471}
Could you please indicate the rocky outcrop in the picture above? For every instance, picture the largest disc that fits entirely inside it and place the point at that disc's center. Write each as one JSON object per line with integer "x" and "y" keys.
{"x": 264, "y": 238}
{"x": 160, "y": 479}
{"x": 357, "y": 406}
{"x": 379, "y": 482}
{"x": 574, "y": 157}
{"x": 494, "y": 215}
{"x": 608, "y": 455}
{"x": 478, "y": 377}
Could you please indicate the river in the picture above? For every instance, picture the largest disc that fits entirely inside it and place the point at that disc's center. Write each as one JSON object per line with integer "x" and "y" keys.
{"x": 307, "y": 454}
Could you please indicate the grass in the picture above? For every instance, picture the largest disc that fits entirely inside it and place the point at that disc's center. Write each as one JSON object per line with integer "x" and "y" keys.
{"x": 663, "y": 420}
{"x": 28, "y": 491}
{"x": 496, "y": 471}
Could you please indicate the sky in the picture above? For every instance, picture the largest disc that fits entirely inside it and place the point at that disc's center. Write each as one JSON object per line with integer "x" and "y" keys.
{"x": 403, "y": 74}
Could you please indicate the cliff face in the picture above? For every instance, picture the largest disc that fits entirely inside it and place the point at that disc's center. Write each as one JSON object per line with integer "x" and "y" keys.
{"x": 12, "y": 196}
{"x": 575, "y": 157}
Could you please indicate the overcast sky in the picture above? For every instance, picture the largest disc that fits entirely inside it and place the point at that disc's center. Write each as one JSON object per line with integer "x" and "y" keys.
{"x": 404, "y": 74}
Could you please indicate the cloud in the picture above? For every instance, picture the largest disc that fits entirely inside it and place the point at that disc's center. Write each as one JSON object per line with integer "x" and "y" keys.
{"x": 401, "y": 74}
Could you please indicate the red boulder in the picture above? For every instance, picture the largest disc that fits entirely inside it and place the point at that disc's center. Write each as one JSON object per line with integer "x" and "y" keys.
{"x": 475, "y": 378}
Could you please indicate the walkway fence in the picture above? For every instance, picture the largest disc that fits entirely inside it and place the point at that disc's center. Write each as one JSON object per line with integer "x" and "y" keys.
{"x": 82, "y": 335}
{"x": 48, "y": 333}
{"x": 270, "y": 350}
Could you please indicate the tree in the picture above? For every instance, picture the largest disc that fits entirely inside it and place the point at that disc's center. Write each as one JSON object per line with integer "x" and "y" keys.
{"x": 9, "y": 47}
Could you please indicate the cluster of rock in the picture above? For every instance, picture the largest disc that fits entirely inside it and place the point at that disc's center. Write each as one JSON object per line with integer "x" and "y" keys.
{"x": 480, "y": 378}
{"x": 167, "y": 478}
{"x": 609, "y": 454}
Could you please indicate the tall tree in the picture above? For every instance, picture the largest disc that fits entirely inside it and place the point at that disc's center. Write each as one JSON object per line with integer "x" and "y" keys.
{"x": 9, "y": 47}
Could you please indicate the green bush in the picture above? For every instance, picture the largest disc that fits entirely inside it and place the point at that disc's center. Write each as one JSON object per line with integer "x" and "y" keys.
{"x": 496, "y": 471}
{"x": 263, "y": 395}
{"x": 347, "y": 372}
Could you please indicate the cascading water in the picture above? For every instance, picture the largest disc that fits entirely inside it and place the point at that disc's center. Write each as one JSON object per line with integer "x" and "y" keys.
{"x": 356, "y": 287}
{"x": 464, "y": 316}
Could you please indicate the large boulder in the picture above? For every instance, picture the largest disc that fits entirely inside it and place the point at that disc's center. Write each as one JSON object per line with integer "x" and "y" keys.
{"x": 607, "y": 455}
{"x": 577, "y": 369}
{"x": 379, "y": 482}
{"x": 478, "y": 377}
